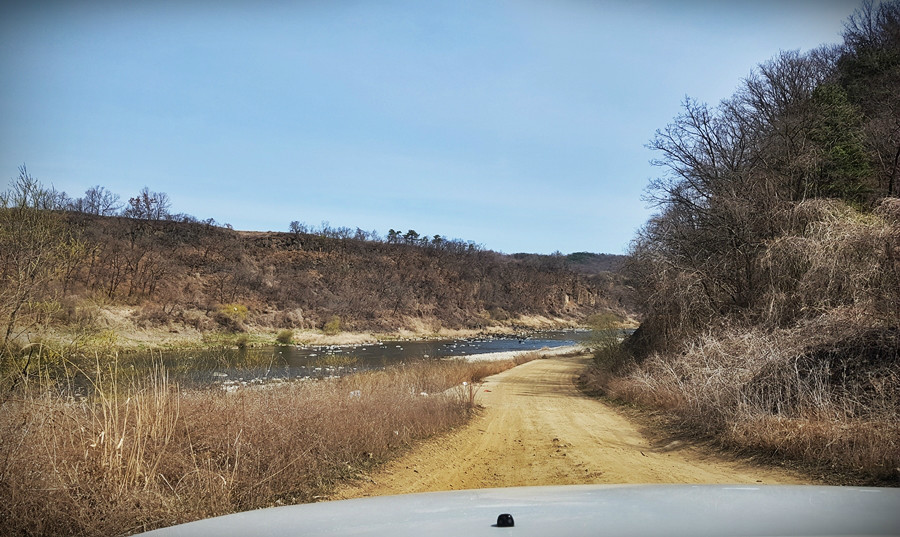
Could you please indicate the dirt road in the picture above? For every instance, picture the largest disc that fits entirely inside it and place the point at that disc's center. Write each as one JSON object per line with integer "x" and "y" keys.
{"x": 536, "y": 428}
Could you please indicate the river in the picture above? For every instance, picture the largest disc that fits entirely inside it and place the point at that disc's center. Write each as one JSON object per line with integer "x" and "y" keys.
{"x": 234, "y": 367}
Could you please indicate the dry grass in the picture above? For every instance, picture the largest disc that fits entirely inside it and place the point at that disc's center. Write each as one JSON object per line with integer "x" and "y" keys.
{"x": 141, "y": 454}
{"x": 837, "y": 258}
{"x": 809, "y": 369}
{"x": 825, "y": 395}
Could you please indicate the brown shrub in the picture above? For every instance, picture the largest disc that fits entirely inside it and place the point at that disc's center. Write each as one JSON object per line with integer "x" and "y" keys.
{"x": 839, "y": 258}
{"x": 285, "y": 336}
{"x": 827, "y": 392}
{"x": 889, "y": 209}
{"x": 228, "y": 322}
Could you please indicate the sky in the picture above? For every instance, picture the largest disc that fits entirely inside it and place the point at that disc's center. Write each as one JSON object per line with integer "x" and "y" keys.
{"x": 520, "y": 125}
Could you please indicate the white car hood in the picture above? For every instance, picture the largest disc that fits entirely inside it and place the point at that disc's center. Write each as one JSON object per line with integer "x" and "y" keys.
{"x": 580, "y": 510}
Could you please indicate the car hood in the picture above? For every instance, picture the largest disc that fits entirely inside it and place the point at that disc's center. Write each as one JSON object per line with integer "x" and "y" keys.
{"x": 564, "y": 511}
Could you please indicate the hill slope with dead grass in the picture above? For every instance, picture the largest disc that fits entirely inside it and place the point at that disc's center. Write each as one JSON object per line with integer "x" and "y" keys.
{"x": 72, "y": 271}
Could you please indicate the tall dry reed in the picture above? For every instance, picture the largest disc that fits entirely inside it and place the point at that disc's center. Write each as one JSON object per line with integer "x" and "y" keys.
{"x": 137, "y": 454}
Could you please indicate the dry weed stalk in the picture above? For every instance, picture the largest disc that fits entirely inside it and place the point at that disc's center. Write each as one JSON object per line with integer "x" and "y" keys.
{"x": 136, "y": 454}
{"x": 784, "y": 392}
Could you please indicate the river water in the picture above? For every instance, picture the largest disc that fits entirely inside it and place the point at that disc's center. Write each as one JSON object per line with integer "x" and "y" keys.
{"x": 236, "y": 367}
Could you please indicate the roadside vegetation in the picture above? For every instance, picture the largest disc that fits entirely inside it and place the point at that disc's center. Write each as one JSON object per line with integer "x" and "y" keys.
{"x": 137, "y": 453}
{"x": 770, "y": 277}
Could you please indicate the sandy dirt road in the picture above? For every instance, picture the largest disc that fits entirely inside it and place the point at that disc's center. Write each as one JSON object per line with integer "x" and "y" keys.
{"x": 537, "y": 428}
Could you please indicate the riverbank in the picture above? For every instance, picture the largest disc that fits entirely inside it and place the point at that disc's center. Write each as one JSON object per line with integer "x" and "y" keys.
{"x": 115, "y": 328}
{"x": 142, "y": 453}
{"x": 566, "y": 350}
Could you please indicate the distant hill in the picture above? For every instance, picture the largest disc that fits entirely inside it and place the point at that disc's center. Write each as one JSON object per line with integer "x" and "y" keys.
{"x": 593, "y": 263}
{"x": 211, "y": 278}
{"x": 581, "y": 262}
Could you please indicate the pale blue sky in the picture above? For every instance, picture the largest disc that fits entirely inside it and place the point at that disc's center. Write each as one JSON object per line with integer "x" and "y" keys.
{"x": 520, "y": 125}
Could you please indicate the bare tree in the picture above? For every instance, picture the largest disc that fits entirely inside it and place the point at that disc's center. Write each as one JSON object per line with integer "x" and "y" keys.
{"x": 27, "y": 192}
{"x": 100, "y": 201}
{"x": 33, "y": 241}
{"x": 148, "y": 205}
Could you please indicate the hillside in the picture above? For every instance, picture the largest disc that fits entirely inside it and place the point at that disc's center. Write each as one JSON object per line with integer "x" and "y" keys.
{"x": 770, "y": 278}
{"x": 201, "y": 277}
